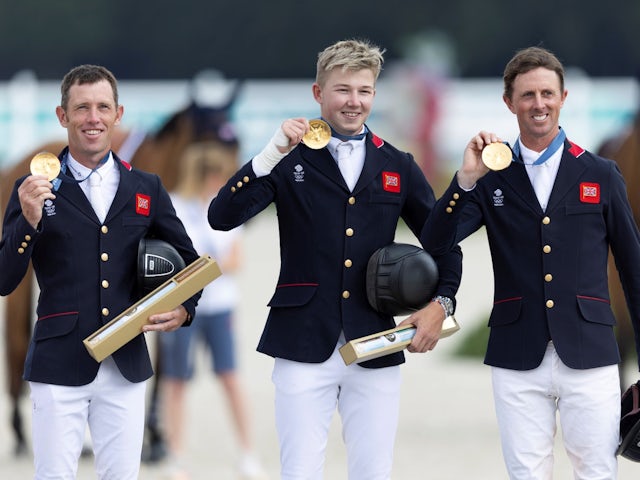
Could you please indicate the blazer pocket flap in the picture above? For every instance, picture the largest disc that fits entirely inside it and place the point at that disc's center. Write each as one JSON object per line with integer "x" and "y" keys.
{"x": 135, "y": 221}
{"x": 393, "y": 198}
{"x": 54, "y": 326}
{"x": 583, "y": 209}
{"x": 294, "y": 295}
{"x": 596, "y": 310}
{"x": 505, "y": 312}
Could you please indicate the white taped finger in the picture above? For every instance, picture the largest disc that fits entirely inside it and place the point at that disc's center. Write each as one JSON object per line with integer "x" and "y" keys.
{"x": 269, "y": 157}
{"x": 280, "y": 139}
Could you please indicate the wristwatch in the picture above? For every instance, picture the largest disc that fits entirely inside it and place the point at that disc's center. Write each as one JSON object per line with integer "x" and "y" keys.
{"x": 446, "y": 303}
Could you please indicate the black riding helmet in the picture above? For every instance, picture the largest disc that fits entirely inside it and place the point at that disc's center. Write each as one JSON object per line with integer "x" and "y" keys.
{"x": 158, "y": 261}
{"x": 630, "y": 424}
{"x": 401, "y": 278}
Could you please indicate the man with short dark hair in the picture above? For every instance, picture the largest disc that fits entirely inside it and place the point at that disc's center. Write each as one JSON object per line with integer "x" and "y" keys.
{"x": 551, "y": 217}
{"x": 81, "y": 231}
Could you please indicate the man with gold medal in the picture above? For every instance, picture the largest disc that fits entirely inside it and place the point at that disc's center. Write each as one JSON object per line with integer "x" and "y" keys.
{"x": 79, "y": 218}
{"x": 552, "y": 212}
{"x": 339, "y": 191}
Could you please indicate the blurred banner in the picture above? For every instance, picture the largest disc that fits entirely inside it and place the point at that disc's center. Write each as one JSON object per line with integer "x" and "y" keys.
{"x": 432, "y": 119}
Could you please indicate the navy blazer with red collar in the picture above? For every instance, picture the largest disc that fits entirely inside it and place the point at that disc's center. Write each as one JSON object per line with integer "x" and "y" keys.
{"x": 86, "y": 271}
{"x": 550, "y": 267}
{"x": 327, "y": 235}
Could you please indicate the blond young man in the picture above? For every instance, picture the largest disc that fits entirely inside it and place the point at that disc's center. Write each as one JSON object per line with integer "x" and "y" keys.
{"x": 336, "y": 205}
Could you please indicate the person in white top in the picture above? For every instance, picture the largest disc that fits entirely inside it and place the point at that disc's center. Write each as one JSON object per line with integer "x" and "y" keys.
{"x": 206, "y": 167}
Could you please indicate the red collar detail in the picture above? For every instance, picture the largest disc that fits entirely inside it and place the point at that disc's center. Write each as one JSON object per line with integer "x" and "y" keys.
{"x": 126, "y": 165}
{"x": 575, "y": 150}
{"x": 377, "y": 141}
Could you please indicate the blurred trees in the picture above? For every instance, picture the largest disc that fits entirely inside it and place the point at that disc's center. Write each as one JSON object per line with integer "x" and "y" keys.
{"x": 280, "y": 39}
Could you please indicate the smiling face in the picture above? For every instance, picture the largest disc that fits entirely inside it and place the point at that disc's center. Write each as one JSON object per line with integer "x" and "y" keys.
{"x": 536, "y": 100}
{"x": 90, "y": 117}
{"x": 346, "y": 98}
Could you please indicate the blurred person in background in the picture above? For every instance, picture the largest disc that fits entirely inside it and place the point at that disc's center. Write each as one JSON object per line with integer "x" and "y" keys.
{"x": 206, "y": 166}
{"x": 336, "y": 205}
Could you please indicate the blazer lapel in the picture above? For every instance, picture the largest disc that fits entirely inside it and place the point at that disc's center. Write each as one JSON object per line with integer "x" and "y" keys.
{"x": 374, "y": 162}
{"x": 568, "y": 174}
{"x": 126, "y": 189}
{"x": 71, "y": 190}
{"x": 324, "y": 162}
{"x": 516, "y": 176}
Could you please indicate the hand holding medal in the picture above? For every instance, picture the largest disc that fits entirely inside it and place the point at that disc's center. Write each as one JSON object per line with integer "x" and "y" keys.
{"x": 34, "y": 191}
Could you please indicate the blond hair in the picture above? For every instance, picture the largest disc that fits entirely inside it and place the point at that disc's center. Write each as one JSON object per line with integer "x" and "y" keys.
{"x": 349, "y": 55}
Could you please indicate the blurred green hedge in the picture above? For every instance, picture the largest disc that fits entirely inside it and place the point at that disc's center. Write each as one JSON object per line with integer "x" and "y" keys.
{"x": 474, "y": 341}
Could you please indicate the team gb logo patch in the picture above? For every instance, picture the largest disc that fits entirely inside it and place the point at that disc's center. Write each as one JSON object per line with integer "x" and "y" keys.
{"x": 590, "y": 192}
{"x": 143, "y": 204}
{"x": 391, "y": 182}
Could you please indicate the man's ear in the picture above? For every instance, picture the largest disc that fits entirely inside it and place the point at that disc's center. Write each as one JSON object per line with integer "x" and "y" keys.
{"x": 62, "y": 116}
{"x": 316, "y": 89}
{"x": 507, "y": 101}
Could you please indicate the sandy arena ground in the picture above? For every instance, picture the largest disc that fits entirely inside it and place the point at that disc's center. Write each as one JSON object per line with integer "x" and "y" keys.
{"x": 447, "y": 427}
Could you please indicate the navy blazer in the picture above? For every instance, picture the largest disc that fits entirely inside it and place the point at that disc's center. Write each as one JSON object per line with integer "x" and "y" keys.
{"x": 327, "y": 235}
{"x": 550, "y": 267}
{"x": 86, "y": 271}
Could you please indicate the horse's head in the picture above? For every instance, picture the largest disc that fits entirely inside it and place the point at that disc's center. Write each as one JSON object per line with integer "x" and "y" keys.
{"x": 204, "y": 122}
{"x": 193, "y": 124}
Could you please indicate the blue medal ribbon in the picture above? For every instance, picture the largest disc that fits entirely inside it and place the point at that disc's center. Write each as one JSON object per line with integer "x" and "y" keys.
{"x": 557, "y": 142}
{"x": 67, "y": 178}
{"x": 346, "y": 138}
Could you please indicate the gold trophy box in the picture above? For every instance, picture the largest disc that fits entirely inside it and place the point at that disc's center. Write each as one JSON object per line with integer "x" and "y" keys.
{"x": 389, "y": 341}
{"x": 183, "y": 285}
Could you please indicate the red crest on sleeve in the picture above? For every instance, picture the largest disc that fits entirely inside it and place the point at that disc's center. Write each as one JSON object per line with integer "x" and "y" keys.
{"x": 143, "y": 204}
{"x": 589, "y": 192}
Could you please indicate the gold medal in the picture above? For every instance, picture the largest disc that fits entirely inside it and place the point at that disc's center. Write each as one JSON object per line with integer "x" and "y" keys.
{"x": 318, "y": 135}
{"x": 45, "y": 163}
{"x": 497, "y": 156}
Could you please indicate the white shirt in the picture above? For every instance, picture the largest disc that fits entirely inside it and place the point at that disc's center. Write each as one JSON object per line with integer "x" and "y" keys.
{"x": 351, "y": 167}
{"x": 542, "y": 176}
{"x": 223, "y": 294}
{"x": 109, "y": 174}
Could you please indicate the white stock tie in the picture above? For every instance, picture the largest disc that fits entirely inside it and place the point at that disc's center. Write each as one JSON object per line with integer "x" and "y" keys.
{"x": 346, "y": 166}
{"x": 95, "y": 196}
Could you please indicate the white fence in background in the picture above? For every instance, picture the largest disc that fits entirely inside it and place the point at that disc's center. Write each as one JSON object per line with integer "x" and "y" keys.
{"x": 594, "y": 110}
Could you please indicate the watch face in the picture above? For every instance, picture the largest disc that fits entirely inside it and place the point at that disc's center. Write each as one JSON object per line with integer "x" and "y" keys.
{"x": 447, "y": 303}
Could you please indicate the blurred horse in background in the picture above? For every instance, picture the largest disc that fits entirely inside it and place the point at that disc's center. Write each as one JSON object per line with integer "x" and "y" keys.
{"x": 156, "y": 153}
{"x": 624, "y": 149}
